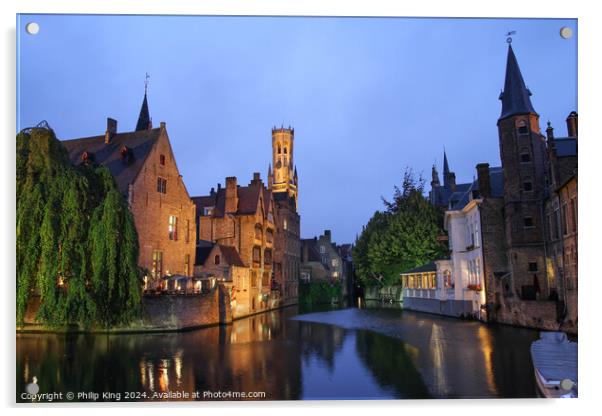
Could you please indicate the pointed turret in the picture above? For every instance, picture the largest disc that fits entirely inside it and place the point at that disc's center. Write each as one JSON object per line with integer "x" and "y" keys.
{"x": 516, "y": 96}
{"x": 144, "y": 120}
{"x": 270, "y": 181}
{"x": 445, "y": 165}
{"x": 434, "y": 177}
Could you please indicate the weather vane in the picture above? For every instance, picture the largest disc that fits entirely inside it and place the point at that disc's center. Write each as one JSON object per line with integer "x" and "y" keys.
{"x": 510, "y": 34}
{"x": 146, "y": 77}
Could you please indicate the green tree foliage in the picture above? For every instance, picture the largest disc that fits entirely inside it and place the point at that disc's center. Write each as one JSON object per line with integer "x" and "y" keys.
{"x": 315, "y": 293}
{"x": 77, "y": 246}
{"x": 401, "y": 237}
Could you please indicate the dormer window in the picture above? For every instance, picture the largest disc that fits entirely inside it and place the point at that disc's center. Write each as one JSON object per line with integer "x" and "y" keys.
{"x": 126, "y": 154}
{"x": 87, "y": 157}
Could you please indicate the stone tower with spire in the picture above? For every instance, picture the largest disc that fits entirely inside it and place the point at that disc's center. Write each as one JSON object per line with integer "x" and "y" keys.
{"x": 524, "y": 160}
{"x": 283, "y": 183}
{"x": 283, "y": 178}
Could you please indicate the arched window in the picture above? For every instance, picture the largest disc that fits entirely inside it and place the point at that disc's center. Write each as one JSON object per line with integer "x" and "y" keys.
{"x": 217, "y": 259}
{"x": 279, "y": 149}
{"x": 285, "y": 151}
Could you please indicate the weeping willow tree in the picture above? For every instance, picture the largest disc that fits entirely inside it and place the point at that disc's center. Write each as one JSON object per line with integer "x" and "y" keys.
{"x": 77, "y": 246}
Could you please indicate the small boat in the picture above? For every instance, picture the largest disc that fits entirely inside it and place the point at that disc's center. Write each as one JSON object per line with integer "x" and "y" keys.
{"x": 555, "y": 365}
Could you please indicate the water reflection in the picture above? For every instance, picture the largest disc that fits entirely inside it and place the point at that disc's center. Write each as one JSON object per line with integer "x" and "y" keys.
{"x": 389, "y": 354}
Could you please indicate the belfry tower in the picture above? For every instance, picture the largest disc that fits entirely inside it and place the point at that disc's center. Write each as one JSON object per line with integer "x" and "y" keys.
{"x": 283, "y": 179}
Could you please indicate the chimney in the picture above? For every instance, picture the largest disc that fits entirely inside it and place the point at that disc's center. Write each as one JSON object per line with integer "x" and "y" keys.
{"x": 550, "y": 132}
{"x": 327, "y": 234}
{"x": 231, "y": 195}
{"x": 483, "y": 178}
{"x": 571, "y": 124}
{"x": 111, "y": 129}
{"x": 256, "y": 178}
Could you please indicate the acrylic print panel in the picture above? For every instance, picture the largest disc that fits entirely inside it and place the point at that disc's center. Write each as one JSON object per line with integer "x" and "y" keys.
{"x": 295, "y": 208}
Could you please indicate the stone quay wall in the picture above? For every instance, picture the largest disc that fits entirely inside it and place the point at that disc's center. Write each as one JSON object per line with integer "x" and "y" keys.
{"x": 394, "y": 292}
{"x": 453, "y": 308}
{"x": 159, "y": 313}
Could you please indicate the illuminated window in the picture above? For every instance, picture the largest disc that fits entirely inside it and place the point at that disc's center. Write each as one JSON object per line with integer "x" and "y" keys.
{"x": 187, "y": 264}
{"x": 173, "y": 227}
{"x": 157, "y": 270}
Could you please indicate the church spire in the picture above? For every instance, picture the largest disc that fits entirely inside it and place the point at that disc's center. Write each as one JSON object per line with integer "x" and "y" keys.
{"x": 445, "y": 165}
{"x": 144, "y": 120}
{"x": 516, "y": 96}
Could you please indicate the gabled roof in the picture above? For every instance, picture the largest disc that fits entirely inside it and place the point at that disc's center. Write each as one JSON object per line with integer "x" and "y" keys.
{"x": 230, "y": 255}
{"x": 248, "y": 200}
{"x": 313, "y": 254}
{"x": 496, "y": 181}
{"x": 124, "y": 170}
{"x": 442, "y": 196}
{"x": 516, "y": 96}
{"x": 565, "y": 146}
{"x": 203, "y": 250}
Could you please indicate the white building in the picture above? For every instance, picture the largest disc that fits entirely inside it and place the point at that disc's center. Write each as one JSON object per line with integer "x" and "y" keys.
{"x": 464, "y": 230}
{"x": 455, "y": 286}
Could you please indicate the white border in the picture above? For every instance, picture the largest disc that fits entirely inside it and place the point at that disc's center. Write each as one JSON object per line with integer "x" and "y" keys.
{"x": 590, "y": 150}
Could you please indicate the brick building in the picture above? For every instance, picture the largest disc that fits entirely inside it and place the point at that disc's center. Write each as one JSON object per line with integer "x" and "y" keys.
{"x": 241, "y": 217}
{"x": 530, "y": 232}
{"x": 561, "y": 220}
{"x": 321, "y": 261}
{"x": 528, "y": 215}
{"x": 283, "y": 184}
{"x": 145, "y": 171}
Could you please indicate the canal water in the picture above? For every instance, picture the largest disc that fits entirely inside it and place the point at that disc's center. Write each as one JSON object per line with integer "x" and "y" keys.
{"x": 289, "y": 354}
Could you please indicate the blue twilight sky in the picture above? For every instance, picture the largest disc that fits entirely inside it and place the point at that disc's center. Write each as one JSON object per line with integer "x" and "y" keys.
{"x": 366, "y": 96}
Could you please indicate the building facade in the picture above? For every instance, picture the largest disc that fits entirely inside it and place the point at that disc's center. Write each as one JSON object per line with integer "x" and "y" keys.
{"x": 321, "y": 261}
{"x": 242, "y": 217}
{"x": 145, "y": 171}
{"x": 283, "y": 184}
